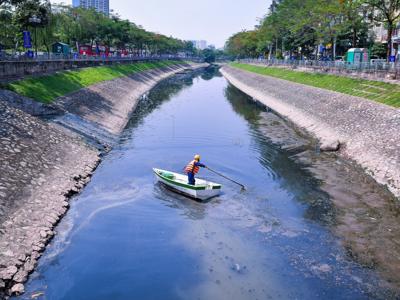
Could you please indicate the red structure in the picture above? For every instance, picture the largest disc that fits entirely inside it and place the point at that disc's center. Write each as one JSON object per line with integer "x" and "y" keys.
{"x": 95, "y": 50}
{"x": 86, "y": 50}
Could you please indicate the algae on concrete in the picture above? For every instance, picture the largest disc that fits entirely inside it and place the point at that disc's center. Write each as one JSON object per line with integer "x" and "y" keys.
{"x": 49, "y": 87}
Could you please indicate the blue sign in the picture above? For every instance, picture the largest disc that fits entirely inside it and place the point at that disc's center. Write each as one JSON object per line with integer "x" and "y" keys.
{"x": 27, "y": 39}
{"x": 29, "y": 54}
{"x": 392, "y": 58}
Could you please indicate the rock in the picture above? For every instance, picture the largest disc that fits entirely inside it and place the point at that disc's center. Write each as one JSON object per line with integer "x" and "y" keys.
{"x": 29, "y": 266}
{"x": 8, "y": 253}
{"x": 43, "y": 234}
{"x": 18, "y": 289}
{"x": 8, "y": 273}
{"x": 21, "y": 276}
{"x": 330, "y": 146}
{"x": 36, "y": 248}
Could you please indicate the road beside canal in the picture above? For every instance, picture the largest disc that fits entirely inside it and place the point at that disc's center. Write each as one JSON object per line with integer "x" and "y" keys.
{"x": 286, "y": 237}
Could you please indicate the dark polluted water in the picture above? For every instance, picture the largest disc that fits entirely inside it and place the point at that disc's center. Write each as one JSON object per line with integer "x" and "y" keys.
{"x": 126, "y": 237}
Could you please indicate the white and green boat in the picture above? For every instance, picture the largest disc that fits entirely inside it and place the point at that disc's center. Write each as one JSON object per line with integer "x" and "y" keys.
{"x": 203, "y": 189}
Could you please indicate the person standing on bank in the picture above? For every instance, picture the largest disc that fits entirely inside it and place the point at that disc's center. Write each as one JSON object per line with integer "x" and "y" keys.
{"x": 193, "y": 168}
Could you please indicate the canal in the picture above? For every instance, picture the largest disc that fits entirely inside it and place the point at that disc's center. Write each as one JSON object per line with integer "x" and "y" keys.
{"x": 127, "y": 237}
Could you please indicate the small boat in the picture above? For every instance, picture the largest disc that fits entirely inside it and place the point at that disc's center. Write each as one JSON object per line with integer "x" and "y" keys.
{"x": 203, "y": 189}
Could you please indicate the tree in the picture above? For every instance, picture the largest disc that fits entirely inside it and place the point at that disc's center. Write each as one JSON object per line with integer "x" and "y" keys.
{"x": 209, "y": 55}
{"x": 378, "y": 49}
{"x": 387, "y": 12}
{"x": 355, "y": 13}
{"x": 298, "y": 27}
{"x": 25, "y": 10}
{"x": 11, "y": 2}
{"x": 76, "y": 26}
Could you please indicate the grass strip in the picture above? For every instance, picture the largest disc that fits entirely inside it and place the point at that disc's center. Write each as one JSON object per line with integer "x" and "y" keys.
{"x": 378, "y": 91}
{"x": 47, "y": 88}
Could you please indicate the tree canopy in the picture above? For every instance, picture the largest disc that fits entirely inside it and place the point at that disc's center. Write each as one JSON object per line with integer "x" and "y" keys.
{"x": 78, "y": 26}
{"x": 298, "y": 27}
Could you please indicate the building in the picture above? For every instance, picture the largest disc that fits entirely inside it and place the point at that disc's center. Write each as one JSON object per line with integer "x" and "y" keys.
{"x": 200, "y": 45}
{"x": 99, "y": 5}
{"x": 381, "y": 36}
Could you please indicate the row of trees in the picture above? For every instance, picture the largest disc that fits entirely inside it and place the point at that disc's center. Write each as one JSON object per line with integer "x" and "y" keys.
{"x": 77, "y": 26}
{"x": 300, "y": 26}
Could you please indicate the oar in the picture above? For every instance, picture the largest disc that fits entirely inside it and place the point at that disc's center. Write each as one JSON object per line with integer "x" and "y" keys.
{"x": 222, "y": 175}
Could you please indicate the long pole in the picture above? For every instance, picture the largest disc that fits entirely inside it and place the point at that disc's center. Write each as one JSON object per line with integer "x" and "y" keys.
{"x": 222, "y": 175}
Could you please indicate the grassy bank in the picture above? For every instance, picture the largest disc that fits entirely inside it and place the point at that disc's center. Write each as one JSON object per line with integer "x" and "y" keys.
{"x": 47, "y": 88}
{"x": 374, "y": 90}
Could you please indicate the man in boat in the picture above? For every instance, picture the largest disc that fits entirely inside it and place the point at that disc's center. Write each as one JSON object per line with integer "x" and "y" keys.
{"x": 193, "y": 168}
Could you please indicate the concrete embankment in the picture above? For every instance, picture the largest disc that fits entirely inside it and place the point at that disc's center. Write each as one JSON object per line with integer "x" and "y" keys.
{"x": 46, "y": 161}
{"x": 365, "y": 131}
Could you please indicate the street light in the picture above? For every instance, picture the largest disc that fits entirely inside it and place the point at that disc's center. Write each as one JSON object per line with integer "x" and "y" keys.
{"x": 36, "y": 21}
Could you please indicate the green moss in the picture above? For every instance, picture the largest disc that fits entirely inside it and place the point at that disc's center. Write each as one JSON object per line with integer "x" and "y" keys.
{"x": 47, "y": 88}
{"x": 378, "y": 91}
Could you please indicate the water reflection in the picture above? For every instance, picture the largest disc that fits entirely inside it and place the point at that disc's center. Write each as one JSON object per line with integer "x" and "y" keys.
{"x": 336, "y": 193}
{"x": 194, "y": 210}
{"x": 292, "y": 175}
{"x": 163, "y": 92}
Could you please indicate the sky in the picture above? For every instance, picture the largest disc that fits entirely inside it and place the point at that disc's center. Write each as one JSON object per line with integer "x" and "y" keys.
{"x": 211, "y": 20}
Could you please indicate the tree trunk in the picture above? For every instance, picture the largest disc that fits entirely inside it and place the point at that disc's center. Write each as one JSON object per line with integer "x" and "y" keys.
{"x": 270, "y": 51}
{"x": 334, "y": 49}
{"x": 354, "y": 42}
{"x": 389, "y": 40}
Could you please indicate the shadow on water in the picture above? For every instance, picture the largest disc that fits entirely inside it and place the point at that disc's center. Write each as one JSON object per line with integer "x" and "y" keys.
{"x": 193, "y": 209}
{"x": 163, "y": 92}
{"x": 292, "y": 175}
{"x": 336, "y": 193}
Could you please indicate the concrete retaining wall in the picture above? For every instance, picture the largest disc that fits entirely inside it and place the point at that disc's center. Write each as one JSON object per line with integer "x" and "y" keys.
{"x": 367, "y": 131}
{"x": 16, "y": 69}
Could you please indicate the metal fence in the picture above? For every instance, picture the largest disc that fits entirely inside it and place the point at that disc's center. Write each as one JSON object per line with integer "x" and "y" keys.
{"x": 54, "y": 56}
{"x": 373, "y": 65}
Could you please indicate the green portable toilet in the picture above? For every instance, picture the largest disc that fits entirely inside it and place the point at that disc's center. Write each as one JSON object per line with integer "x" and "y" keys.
{"x": 357, "y": 55}
{"x": 60, "y": 48}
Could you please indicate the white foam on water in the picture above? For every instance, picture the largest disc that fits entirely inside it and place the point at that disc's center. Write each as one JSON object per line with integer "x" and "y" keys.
{"x": 104, "y": 200}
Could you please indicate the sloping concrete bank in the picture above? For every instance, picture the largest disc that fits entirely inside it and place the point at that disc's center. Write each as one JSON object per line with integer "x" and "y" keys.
{"x": 109, "y": 104}
{"x": 367, "y": 132}
{"x": 45, "y": 162}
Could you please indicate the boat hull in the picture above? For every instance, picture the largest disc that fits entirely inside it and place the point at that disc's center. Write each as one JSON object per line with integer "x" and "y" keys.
{"x": 203, "y": 189}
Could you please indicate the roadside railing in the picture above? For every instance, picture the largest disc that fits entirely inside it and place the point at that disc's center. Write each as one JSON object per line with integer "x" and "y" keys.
{"x": 42, "y": 57}
{"x": 372, "y": 69}
{"x": 371, "y": 65}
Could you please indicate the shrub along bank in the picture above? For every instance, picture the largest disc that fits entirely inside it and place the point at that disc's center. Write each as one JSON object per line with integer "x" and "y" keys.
{"x": 378, "y": 91}
{"x": 49, "y": 87}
